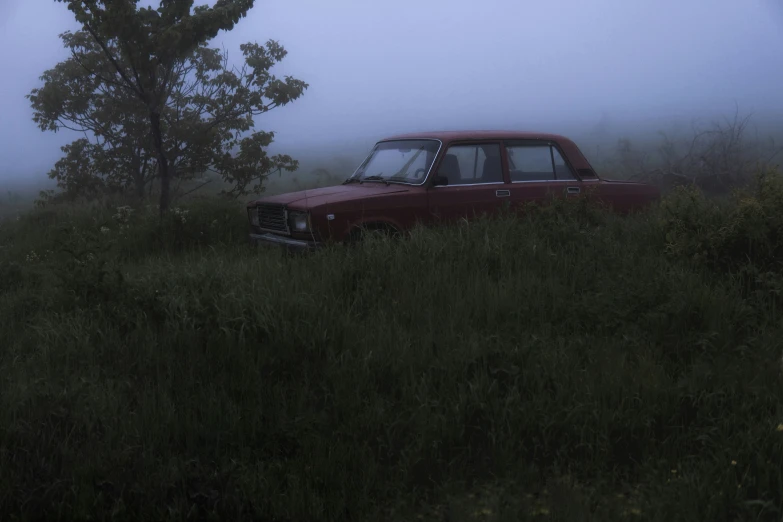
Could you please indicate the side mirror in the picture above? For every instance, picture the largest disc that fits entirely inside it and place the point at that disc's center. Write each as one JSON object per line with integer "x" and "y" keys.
{"x": 440, "y": 181}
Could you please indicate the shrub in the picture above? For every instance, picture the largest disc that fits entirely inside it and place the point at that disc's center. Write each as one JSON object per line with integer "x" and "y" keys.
{"x": 746, "y": 231}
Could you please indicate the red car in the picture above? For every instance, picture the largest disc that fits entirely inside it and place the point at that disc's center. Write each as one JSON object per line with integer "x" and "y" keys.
{"x": 432, "y": 176}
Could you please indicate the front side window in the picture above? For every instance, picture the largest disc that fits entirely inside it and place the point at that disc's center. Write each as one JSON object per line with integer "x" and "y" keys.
{"x": 403, "y": 161}
{"x": 472, "y": 164}
{"x": 538, "y": 162}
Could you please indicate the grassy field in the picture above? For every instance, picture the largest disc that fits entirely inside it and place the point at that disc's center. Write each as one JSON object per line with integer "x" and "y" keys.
{"x": 567, "y": 365}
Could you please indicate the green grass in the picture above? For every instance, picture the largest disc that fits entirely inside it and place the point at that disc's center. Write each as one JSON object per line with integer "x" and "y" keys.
{"x": 567, "y": 365}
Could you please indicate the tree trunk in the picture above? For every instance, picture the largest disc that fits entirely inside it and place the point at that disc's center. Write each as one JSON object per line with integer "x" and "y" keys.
{"x": 153, "y": 178}
{"x": 140, "y": 189}
{"x": 139, "y": 170}
{"x": 163, "y": 164}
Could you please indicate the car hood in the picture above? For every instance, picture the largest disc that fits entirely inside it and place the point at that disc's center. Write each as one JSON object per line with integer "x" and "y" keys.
{"x": 340, "y": 193}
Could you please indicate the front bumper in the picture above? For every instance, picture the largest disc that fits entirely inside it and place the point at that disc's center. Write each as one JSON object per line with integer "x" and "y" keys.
{"x": 285, "y": 242}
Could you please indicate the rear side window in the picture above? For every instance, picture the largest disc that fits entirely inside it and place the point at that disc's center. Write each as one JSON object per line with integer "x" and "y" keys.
{"x": 472, "y": 164}
{"x": 536, "y": 162}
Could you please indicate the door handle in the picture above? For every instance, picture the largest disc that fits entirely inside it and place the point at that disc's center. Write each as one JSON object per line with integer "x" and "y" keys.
{"x": 502, "y": 193}
{"x": 573, "y": 190}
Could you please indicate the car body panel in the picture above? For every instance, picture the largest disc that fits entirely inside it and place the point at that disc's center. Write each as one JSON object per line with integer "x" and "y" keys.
{"x": 451, "y": 203}
{"x": 398, "y": 210}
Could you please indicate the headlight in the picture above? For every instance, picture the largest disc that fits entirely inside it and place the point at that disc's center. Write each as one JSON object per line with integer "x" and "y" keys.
{"x": 299, "y": 221}
{"x": 252, "y": 214}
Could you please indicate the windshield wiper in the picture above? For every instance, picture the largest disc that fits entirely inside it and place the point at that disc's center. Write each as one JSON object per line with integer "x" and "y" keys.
{"x": 374, "y": 177}
{"x": 350, "y": 180}
{"x": 398, "y": 179}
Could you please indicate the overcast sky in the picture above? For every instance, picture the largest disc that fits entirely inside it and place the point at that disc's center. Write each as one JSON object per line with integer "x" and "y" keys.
{"x": 377, "y": 68}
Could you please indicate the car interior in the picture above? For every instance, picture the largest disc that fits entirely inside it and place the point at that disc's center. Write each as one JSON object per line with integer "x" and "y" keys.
{"x": 449, "y": 167}
{"x": 493, "y": 171}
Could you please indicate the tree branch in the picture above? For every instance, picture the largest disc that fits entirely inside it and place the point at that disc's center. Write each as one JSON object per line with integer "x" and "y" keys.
{"x": 195, "y": 189}
{"x": 139, "y": 90}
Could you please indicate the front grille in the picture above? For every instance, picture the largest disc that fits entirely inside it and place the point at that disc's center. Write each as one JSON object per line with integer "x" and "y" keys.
{"x": 272, "y": 217}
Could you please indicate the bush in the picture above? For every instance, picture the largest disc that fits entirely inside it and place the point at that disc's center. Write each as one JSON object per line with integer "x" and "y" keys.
{"x": 126, "y": 232}
{"x": 745, "y": 231}
{"x": 197, "y": 225}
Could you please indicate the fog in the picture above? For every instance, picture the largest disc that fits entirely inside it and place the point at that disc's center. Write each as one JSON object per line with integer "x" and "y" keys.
{"x": 376, "y": 69}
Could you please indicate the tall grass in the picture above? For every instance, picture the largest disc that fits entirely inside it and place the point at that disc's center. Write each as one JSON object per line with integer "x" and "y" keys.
{"x": 569, "y": 364}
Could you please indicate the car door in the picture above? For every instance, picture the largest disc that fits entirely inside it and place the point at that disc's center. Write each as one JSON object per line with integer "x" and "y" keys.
{"x": 476, "y": 183}
{"x": 538, "y": 172}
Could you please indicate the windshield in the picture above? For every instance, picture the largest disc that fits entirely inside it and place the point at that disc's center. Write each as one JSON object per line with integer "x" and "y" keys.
{"x": 405, "y": 161}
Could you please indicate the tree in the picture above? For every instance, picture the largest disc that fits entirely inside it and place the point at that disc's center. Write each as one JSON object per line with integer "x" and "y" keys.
{"x": 157, "y": 102}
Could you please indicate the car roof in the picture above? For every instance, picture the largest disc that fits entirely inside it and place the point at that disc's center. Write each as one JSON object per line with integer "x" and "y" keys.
{"x": 478, "y": 135}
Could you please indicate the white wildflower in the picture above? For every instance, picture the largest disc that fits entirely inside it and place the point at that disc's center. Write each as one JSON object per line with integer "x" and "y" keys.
{"x": 123, "y": 214}
{"x": 180, "y": 213}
